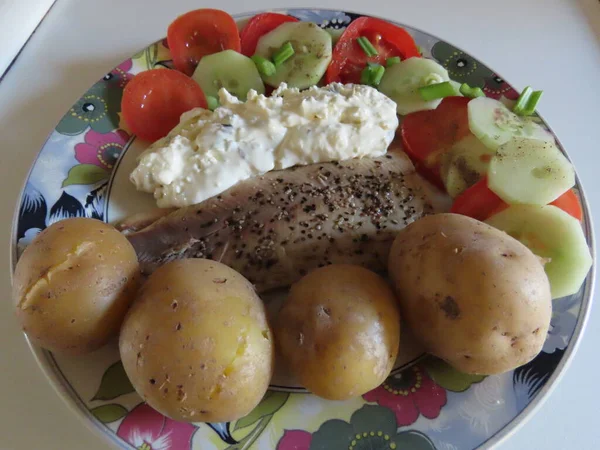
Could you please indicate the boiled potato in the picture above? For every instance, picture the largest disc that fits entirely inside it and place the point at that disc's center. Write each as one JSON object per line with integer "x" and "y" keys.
{"x": 339, "y": 331}
{"x": 473, "y": 295}
{"x": 196, "y": 344}
{"x": 73, "y": 284}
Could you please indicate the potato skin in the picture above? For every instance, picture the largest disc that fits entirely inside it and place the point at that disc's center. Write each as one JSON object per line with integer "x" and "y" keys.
{"x": 196, "y": 344}
{"x": 73, "y": 285}
{"x": 339, "y": 331}
{"x": 473, "y": 295}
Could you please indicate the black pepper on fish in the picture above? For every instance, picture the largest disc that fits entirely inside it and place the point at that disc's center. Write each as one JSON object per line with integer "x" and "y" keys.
{"x": 289, "y": 222}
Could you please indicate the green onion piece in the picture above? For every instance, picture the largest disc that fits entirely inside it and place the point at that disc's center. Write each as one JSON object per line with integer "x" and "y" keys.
{"x": 376, "y": 75}
{"x": 367, "y": 47}
{"x": 470, "y": 92}
{"x": 391, "y": 61}
{"x": 522, "y": 100}
{"x": 527, "y": 102}
{"x": 372, "y": 74}
{"x": 283, "y": 54}
{"x": 437, "y": 91}
{"x": 212, "y": 102}
{"x": 365, "y": 75}
{"x": 264, "y": 66}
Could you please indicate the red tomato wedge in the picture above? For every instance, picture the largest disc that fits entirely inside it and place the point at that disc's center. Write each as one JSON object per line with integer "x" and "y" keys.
{"x": 349, "y": 59}
{"x": 426, "y": 135}
{"x": 569, "y": 203}
{"x": 199, "y": 33}
{"x": 154, "y": 100}
{"x": 258, "y": 26}
{"x": 479, "y": 202}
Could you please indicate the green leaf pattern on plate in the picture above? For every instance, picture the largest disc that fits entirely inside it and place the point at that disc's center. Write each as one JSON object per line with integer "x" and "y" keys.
{"x": 270, "y": 404}
{"x": 85, "y": 174}
{"x": 109, "y": 413}
{"x": 114, "y": 383}
{"x": 448, "y": 377}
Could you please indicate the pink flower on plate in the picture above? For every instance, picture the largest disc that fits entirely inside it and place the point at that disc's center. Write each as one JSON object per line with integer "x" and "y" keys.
{"x": 146, "y": 429}
{"x": 295, "y": 440}
{"x": 120, "y": 75}
{"x": 101, "y": 149}
{"x": 409, "y": 394}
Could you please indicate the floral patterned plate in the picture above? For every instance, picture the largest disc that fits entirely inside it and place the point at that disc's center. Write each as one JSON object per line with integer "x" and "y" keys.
{"x": 82, "y": 171}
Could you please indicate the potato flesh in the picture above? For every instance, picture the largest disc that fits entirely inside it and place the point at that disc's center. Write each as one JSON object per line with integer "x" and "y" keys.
{"x": 339, "y": 331}
{"x": 473, "y": 295}
{"x": 196, "y": 344}
{"x": 73, "y": 284}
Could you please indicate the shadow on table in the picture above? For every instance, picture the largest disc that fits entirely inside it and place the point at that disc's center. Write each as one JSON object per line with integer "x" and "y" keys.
{"x": 591, "y": 10}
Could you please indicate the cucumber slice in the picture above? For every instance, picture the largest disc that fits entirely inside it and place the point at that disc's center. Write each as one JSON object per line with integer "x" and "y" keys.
{"x": 463, "y": 165}
{"x": 530, "y": 171}
{"x": 312, "y": 53}
{"x": 550, "y": 233}
{"x": 230, "y": 70}
{"x": 493, "y": 123}
{"x": 402, "y": 81}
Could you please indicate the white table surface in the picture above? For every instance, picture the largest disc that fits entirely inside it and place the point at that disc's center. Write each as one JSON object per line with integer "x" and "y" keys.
{"x": 553, "y": 44}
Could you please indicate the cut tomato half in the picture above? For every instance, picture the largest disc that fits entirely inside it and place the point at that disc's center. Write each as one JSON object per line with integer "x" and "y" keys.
{"x": 349, "y": 59}
{"x": 426, "y": 135}
{"x": 199, "y": 33}
{"x": 258, "y": 26}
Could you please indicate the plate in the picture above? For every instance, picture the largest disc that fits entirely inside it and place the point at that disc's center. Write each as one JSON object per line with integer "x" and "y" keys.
{"x": 82, "y": 171}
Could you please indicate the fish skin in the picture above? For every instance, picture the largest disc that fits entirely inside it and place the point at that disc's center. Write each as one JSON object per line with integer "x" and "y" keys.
{"x": 275, "y": 228}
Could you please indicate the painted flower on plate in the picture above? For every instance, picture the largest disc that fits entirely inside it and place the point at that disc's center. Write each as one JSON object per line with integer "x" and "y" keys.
{"x": 408, "y": 394}
{"x": 371, "y": 428}
{"x": 323, "y": 18}
{"x": 146, "y": 429}
{"x": 120, "y": 75}
{"x": 98, "y": 108}
{"x": 461, "y": 67}
{"x": 562, "y": 323}
{"x": 496, "y": 87}
{"x": 100, "y": 149}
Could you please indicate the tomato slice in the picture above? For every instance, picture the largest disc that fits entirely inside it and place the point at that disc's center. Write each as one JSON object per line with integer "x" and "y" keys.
{"x": 569, "y": 203}
{"x": 479, "y": 202}
{"x": 426, "y": 135}
{"x": 258, "y": 26}
{"x": 349, "y": 59}
{"x": 154, "y": 100}
{"x": 199, "y": 33}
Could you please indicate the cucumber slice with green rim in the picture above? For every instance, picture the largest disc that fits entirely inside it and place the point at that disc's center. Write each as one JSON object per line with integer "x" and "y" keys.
{"x": 402, "y": 81}
{"x": 312, "y": 53}
{"x": 550, "y": 233}
{"x": 230, "y": 70}
{"x": 530, "y": 171}
{"x": 464, "y": 164}
{"x": 493, "y": 123}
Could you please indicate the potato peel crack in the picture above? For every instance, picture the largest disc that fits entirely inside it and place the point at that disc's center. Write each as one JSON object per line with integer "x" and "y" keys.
{"x": 46, "y": 278}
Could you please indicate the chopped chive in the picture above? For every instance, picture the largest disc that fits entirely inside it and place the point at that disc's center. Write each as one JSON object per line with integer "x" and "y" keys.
{"x": 376, "y": 75}
{"x": 264, "y": 66}
{"x": 470, "y": 92}
{"x": 283, "y": 54}
{"x": 391, "y": 61}
{"x": 212, "y": 102}
{"x": 372, "y": 74}
{"x": 527, "y": 102}
{"x": 437, "y": 91}
{"x": 365, "y": 75}
{"x": 367, "y": 47}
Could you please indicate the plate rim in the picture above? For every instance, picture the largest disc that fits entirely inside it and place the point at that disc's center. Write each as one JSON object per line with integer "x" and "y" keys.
{"x": 75, "y": 404}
